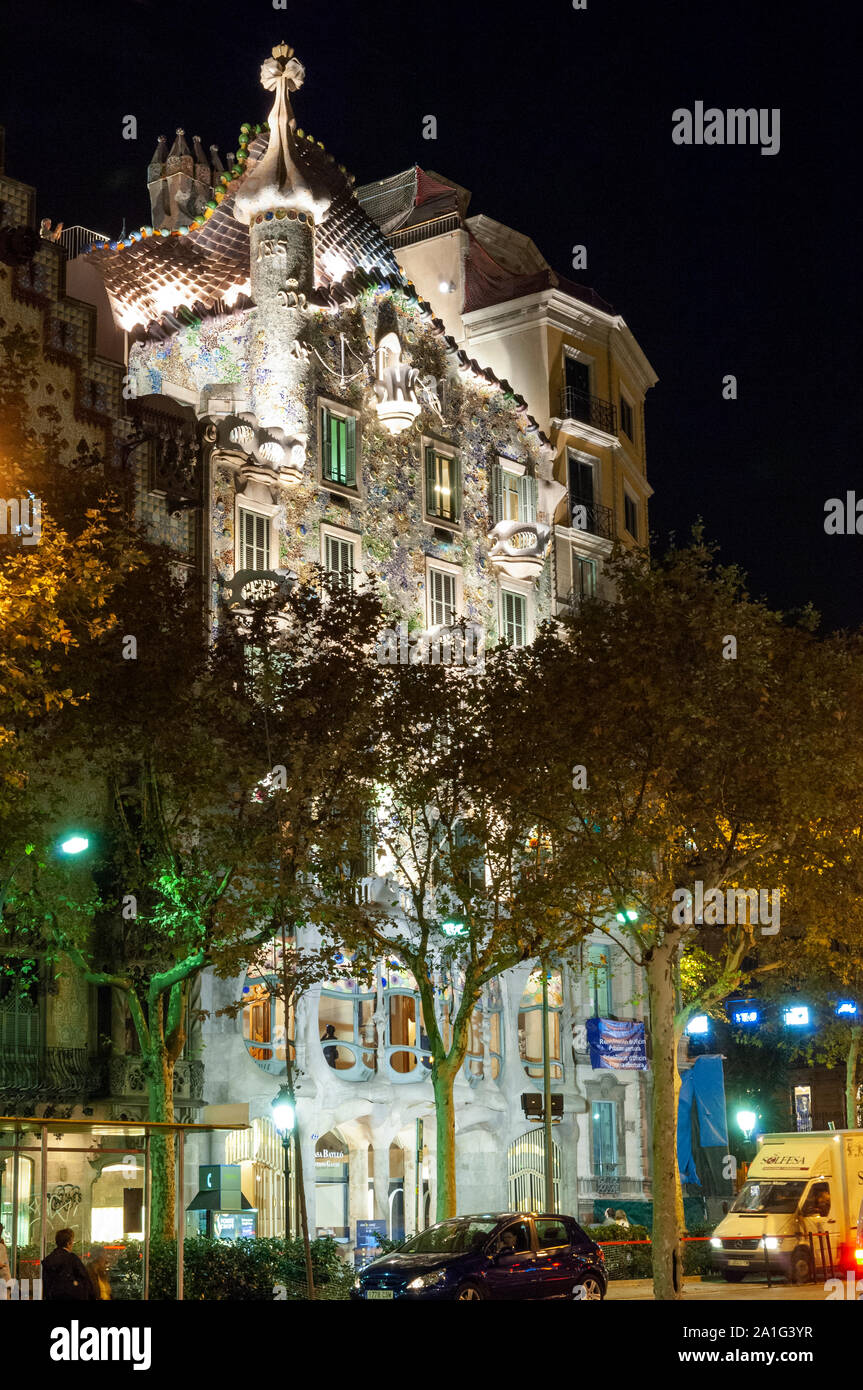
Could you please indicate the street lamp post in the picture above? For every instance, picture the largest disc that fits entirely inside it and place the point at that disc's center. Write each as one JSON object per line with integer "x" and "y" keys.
{"x": 546, "y": 1097}
{"x": 284, "y": 1118}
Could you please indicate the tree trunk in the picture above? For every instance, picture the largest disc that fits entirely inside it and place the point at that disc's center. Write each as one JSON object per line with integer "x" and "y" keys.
{"x": 160, "y": 1087}
{"x": 301, "y": 1185}
{"x": 851, "y": 1062}
{"x": 667, "y": 1246}
{"x": 443, "y": 1081}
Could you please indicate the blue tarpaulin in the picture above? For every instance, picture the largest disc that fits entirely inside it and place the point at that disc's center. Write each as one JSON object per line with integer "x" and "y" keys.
{"x": 616, "y": 1044}
{"x": 704, "y": 1084}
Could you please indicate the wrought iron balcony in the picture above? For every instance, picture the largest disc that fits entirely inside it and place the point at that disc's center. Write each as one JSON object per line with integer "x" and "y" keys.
{"x": 53, "y": 1073}
{"x": 610, "y": 1185}
{"x": 591, "y": 410}
{"x": 591, "y": 517}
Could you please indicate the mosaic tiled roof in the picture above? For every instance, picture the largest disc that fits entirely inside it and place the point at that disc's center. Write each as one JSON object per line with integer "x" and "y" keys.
{"x": 152, "y": 274}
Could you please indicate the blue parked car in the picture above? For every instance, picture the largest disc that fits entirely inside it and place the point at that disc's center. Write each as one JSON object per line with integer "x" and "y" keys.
{"x": 513, "y": 1255}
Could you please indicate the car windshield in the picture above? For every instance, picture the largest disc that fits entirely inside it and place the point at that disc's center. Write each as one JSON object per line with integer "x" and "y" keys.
{"x": 758, "y": 1197}
{"x": 450, "y": 1238}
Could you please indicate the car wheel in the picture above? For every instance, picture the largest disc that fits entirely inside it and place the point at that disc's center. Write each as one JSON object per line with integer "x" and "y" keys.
{"x": 801, "y": 1267}
{"x": 469, "y": 1293}
{"x": 593, "y": 1290}
{"x": 735, "y": 1276}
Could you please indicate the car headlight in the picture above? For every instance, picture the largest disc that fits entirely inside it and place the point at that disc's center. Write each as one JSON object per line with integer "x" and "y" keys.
{"x": 428, "y": 1281}
{"x": 770, "y": 1243}
{"x": 716, "y": 1242}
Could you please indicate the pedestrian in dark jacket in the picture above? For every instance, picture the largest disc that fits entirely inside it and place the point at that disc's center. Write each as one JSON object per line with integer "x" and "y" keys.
{"x": 63, "y": 1274}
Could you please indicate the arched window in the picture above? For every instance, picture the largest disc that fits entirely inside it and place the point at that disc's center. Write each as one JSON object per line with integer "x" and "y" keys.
{"x": 346, "y": 1015}
{"x": 264, "y": 1020}
{"x": 406, "y": 1042}
{"x": 530, "y": 1025}
{"x": 484, "y": 1052}
{"x": 484, "y": 1056}
{"x": 332, "y": 1175}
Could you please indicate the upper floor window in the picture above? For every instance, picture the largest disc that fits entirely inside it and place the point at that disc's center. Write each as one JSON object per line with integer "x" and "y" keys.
{"x": 443, "y": 485}
{"x": 443, "y": 597}
{"x": 407, "y": 1042}
{"x": 599, "y": 981}
{"x": 603, "y": 1133}
{"x": 339, "y": 560}
{"x": 348, "y": 1034}
{"x": 513, "y": 495}
{"x": 264, "y": 1024}
{"x": 630, "y": 515}
{"x": 584, "y": 576}
{"x": 338, "y": 448}
{"x": 513, "y": 618}
{"x": 626, "y": 418}
{"x": 254, "y": 540}
{"x": 530, "y": 1043}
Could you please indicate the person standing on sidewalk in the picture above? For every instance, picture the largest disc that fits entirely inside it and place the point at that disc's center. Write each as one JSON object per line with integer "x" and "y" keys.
{"x": 63, "y": 1274}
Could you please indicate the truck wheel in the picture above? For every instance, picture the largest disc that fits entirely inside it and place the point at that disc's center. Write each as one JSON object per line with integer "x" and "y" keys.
{"x": 735, "y": 1276}
{"x": 801, "y": 1266}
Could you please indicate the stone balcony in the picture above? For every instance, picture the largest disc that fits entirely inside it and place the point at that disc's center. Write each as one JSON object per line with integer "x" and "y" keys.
{"x": 519, "y": 548}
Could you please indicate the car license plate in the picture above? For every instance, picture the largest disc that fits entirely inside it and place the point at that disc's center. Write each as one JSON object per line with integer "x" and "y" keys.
{"x": 745, "y": 1263}
{"x": 379, "y": 1293}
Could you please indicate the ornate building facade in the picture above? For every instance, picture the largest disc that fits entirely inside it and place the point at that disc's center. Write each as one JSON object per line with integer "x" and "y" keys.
{"x": 329, "y": 377}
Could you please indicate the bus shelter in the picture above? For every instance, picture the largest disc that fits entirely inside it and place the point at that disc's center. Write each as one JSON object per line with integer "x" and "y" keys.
{"x": 91, "y": 1176}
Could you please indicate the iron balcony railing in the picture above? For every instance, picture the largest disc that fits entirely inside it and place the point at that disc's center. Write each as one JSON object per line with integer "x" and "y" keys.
{"x": 592, "y": 517}
{"x": 53, "y": 1073}
{"x": 592, "y": 410}
{"x": 436, "y": 226}
{"x": 76, "y": 239}
{"x": 609, "y": 1185}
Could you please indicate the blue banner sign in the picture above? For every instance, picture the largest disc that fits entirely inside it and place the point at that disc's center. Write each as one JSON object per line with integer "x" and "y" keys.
{"x": 616, "y": 1045}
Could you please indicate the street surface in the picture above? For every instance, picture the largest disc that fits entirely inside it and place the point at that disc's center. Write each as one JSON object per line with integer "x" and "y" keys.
{"x": 631, "y": 1290}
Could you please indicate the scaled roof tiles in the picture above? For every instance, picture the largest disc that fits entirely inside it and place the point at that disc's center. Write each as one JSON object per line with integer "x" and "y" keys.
{"x": 158, "y": 274}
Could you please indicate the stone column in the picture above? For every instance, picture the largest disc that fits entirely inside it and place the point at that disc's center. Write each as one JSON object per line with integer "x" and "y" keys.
{"x": 410, "y": 1184}
{"x": 382, "y": 1180}
{"x": 358, "y": 1187}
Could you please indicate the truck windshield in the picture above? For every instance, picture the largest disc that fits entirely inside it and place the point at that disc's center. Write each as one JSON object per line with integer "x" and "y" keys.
{"x": 759, "y": 1197}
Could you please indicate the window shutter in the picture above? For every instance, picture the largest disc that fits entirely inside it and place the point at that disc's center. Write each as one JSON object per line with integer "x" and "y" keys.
{"x": 431, "y": 500}
{"x": 350, "y": 452}
{"x": 497, "y": 495}
{"x": 529, "y": 499}
{"x": 326, "y": 444}
{"x": 455, "y": 484}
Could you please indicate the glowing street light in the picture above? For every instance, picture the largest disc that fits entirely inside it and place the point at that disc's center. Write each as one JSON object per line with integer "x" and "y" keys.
{"x": 747, "y": 1120}
{"x": 75, "y": 844}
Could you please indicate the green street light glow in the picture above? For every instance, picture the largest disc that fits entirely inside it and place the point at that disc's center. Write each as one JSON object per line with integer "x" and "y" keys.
{"x": 747, "y": 1120}
{"x": 283, "y": 1112}
{"x": 75, "y": 844}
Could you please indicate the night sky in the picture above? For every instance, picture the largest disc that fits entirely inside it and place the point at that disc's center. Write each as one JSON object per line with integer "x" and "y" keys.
{"x": 722, "y": 260}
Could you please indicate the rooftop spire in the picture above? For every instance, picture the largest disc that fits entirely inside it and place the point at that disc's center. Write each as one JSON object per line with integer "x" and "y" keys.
{"x": 276, "y": 180}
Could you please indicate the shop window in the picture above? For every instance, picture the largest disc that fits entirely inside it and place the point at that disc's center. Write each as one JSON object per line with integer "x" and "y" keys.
{"x": 332, "y": 1175}
{"x": 346, "y": 1016}
{"x": 530, "y": 1025}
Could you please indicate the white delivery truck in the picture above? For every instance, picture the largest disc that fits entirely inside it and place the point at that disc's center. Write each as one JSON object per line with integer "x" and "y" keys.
{"x": 797, "y": 1186}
